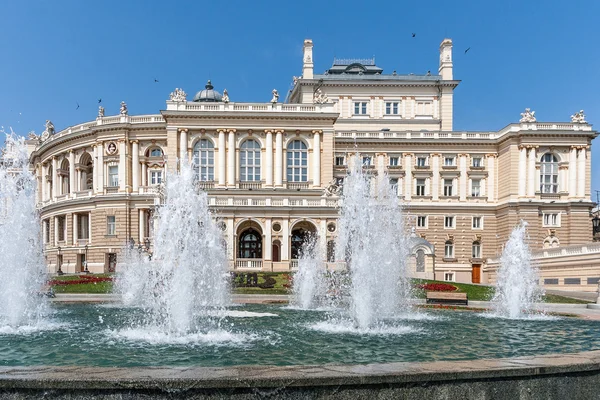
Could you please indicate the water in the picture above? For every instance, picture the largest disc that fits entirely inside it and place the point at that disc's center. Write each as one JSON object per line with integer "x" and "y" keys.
{"x": 276, "y": 335}
{"x": 517, "y": 288}
{"x": 22, "y": 270}
{"x": 309, "y": 288}
{"x": 185, "y": 286}
{"x": 372, "y": 241}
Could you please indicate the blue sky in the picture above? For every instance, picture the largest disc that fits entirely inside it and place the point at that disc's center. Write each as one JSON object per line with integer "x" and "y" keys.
{"x": 57, "y": 54}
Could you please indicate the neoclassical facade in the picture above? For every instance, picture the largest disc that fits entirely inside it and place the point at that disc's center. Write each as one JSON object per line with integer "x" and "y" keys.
{"x": 272, "y": 171}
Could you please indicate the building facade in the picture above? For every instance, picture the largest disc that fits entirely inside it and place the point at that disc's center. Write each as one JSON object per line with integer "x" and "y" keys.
{"x": 272, "y": 171}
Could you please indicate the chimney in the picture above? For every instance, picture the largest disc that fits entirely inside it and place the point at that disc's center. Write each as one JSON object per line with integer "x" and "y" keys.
{"x": 446, "y": 59}
{"x": 307, "y": 67}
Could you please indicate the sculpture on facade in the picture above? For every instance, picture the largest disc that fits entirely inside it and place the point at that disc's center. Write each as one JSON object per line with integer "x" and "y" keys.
{"x": 296, "y": 79}
{"x": 578, "y": 118}
{"x": 123, "y": 110}
{"x": 49, "y": 127}
{"x": 319, "y": 97}
{"x": 32, "y": 136}
{"x": 528, "y": 116}
{"x": 178, "y": 95}
{"x": 100, "y": 112}
{"x": 333, "y": 189}
{"x": 225, "y": 96}
{"x": 275, "y": 98}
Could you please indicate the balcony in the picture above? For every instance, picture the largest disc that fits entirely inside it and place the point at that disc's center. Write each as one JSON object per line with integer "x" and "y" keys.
{"x": 204, "y": 185}
{"x": 250, "y": 185}
{"x": 298, "y": 185}
{"x": 248, "y": 263}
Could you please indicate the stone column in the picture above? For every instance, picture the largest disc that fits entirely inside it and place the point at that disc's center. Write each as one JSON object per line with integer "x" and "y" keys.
{"x": 317, "y": 159}
{"x": 72, "y": 182}
{"x": 531, "y": 172}
{"x": 463, "y": 177}
{"x": 408, "y": 164}
{"x": 231, "y": 159}
{"x": 75, "y": 229}
{"x": 135, "y": 166}
{"x": 269, "y": 158}
{"x": 100, "y": 150}
{"x": 44, "y": 182}
{"x": 581, "y": 172}
{"x": 183, "y": 145}
{"x": 491, "y": 185}
{"x": 95, "y": 171}
{"x": 285, "y": 240}
{"x": 55, "y": 231}
{"x": 222, "y": 157}
{"x": 142, "y": 225}
{"x": 435, "y": 181}
{"x": 122, "y": 166}
{"x": 45, "y": 237}
{"x": 267, "y": 245}
{"x": 279, "y": 159}
{"x": 522, "y": 170}
{"x": 89, "y": 227}
{"x": 55, "y": 183}
{"x": 573, "y": 172}
{"x": 144, "y": 179}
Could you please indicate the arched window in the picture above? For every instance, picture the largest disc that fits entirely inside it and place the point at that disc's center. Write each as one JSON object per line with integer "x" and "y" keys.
{"x": 297, "y": 162}
{"x": 87, "y": 172}
{"x": 156, "y": 152}
{"x": 204, "y": 160}
{"x": 476, "y": 249}
{"x": 250, "y": 161}
{"x": 250, "y": 245}
{"x": 449, "y": 249}
{"x": 549, "y": 173}
{"x": 299, "y": 237}
{"x": 63, "y": 173}
{"x": 420, "y": 261}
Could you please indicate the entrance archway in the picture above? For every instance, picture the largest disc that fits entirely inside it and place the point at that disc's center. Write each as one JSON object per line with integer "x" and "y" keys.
{"x": 301, "y": 232}
{"x": 250, "y": 244}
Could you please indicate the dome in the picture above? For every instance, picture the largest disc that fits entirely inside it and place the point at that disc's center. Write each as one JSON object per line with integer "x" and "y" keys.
{"x": 208, "y": 94}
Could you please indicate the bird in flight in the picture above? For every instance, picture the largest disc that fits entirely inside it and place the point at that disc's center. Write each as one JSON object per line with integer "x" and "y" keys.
{"x": 99, "y": 101}
{"x": 77, "y": 106}
{"x": 155, "y": 80}
{"x": 467, "y": 50}
{"x": 414, "y": 34}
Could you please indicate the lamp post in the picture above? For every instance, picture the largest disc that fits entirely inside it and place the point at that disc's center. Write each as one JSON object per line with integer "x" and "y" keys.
{"x": 85, "y": 263}
{"x": 596, "y": 227}
{"x": 59, "y": 261}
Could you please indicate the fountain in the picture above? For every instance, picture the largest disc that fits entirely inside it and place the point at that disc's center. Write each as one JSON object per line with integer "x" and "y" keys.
{"x": 309, "y": 289}
{"x": 517, "y": 288}
{"x": 22, "y": 269}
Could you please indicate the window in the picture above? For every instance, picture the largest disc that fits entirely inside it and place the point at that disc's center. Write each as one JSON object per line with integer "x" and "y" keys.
{"x": 448, "y": 187}
{"x": 250, "y": 161}
{"x": 367, "y": 161}
{"x": 394, "y": 185}
{"x": 449, "y": 276}
{"x": 476, "y": 250}
{"x": 204, "y": 160}
{"x": 61, "y": 228}
{"x": 421, "y": 161}
{"x": 449, "y": 161}
{"x": 111, "y": 225}
{"x": 391, "y": 108}
{"x": 156, "y": 152}
{"x": 422, "y": 221}
{"x": 476, "y": 187}
{"x": 394, "y": 161}
{"x": 476, "y": 162}
{"x": 155, "y": 177}
{"x": 360, "y": 108}
{"x": 83, "y": 224}
{"x": 250, "y": 244}
{"x": 448, "y": 222}
{"x": 476, "y": 223}
{"x": 552, "y": 219}
{"x": 113, "y": 176}
{"x": 297, "y": 162}
{"x": 340, "y": 161}
{"x": 449, "y": 249}
{"x": 420, "y": 261}
{"x": 420, "y": 187}
{"x": 424, "y": 108}
{"x": 47, "y": 231}
{"x": 549, "y": 174}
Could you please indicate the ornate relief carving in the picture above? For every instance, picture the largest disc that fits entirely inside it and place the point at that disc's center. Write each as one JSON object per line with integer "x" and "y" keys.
{"x": 178, "y": 95}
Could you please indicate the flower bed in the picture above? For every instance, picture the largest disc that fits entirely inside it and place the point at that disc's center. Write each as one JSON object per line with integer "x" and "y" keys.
{"x": 437, "y": 287}
{"x": 82, "y": 279}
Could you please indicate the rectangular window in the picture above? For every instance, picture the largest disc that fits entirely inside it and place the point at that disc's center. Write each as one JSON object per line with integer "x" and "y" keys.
{"x": 476, "y": 223}
{"x": 593, "y": 281}
{"x": 424, "y": 108}
{"x": 421, "y": 161}
{"x": 449, "y": 161}
{"x": 391, "y": 108}
{"x": 394, "y": 185}
{"x": 360, "y": 108}
{"x": 111, "y": 225}
{"x": 551, "y": 219}
{"x": 47, "y": 231}
{"x": 155, "y": 177}
{"x": 551, "y": 281}
{"x": 449, "y": 222}
{"x": 476, "y": 253}
{"x": 422, "y": 221}
{"x": 83, "y": 224}
{"x": 449, "y": 276}
{"x": 394, "y": 161}
{"x": 476, "y": 162}
{"x": 113, "y": 176}
{"x": 339, "y": 161}
{"x": 572, "y": 281}
{"x": 366, "y": 161}
{"x": 420, "y": 187}
{"x": 61, "y": 228}
{"x": 448, "y": 187}
{"x": 476, "y": 187}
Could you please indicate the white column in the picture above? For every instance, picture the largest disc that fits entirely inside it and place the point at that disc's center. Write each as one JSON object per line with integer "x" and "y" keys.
{"x": 269, "y": 154}
{"x": 72, "y": 172}
{"x": 463, "y": 177}
{"x": 183, "y": 145}
{"x": 573, "y": 172}
{"x": 122, "y": 166}
{"x": 435, "y": 181}
{"x": 279, "y": 162}
{"x": 45, "y": 232}
{"x": 222, "y": 157}
{"x": 231, "y": 159}
{"x": 144, "y": 179}
{"x": 55, "y": 183}
{"x": 75, "y": 229}
{"x": 95, "y": 186}
{"x": 522, "y": 170}
{"x": 78, "y": 183}
{"x": 44, "y": 182}
{"x": 285, "y": 241}
{"x": 100, "y": 150}
{"x": 55, "y": 231}
{"x": 581, "y": 172}
{"x": 142, "y": 226}
{"x": 89, "y": 227}
{"x": 135, "y": 166}
{"x": 317, "y": 159}
{"x": 267, "y": 245}
{"x": 491, "y": 194}
{"x": 408, "y": 165}
{"x": 531, "y": 173}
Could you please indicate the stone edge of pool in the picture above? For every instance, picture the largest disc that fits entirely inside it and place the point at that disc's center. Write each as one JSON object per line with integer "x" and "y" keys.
{"x": 554, "y": 376}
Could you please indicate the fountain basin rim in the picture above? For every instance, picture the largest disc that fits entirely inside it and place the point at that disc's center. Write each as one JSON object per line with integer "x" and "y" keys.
{"x": 79, "y": 378}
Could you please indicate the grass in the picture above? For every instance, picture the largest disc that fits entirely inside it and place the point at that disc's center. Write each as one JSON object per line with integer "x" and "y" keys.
{"x": 280, "y": 280}
{"x": 93, "y": 287}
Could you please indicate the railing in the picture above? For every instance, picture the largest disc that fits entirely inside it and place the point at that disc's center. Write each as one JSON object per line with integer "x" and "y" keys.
{"x": 83, "y": 193}
{"x": 250, "y": 185}
{"x": 591, "y": 248}
{"x": 148, "y": 189}
{"x": 254, "y": 107}
{"x": 205, "y": 184}
{"x": 297, "y": 185}
{"x": 248, "y": 263}
{"x": 294, "y": 265}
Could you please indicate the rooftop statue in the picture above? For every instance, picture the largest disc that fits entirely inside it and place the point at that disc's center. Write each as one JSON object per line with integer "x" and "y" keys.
{"x": 333, "y": 189}
{"x": 50, "y": 127}
{"x": 100, "y": 111}
{"x": 225, "y": 96}
{"x": 275, "y": 98}
{"x": 178, "y": 95}
{"x": 319, "y": 97}
{"x": 296, "y": 79}
{"x": 528, "y": 116}
{"x": 578, "y": 118}
{"x": 123, "y": 110}
{"x": 32, "y": 136}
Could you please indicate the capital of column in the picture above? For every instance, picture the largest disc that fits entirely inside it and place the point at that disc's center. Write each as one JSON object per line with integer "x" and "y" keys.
{"x": 409, "y": 154}
{"x": 182, "y": 130}
{"x": 279, "y": 131}
{"x": 491, "y": 155}
{"x": 463, "y": 155}
{"x": 221, "y": 130}
{"x": 268, "y": 130}
{"x": 232, "y": 130}
{"x": 436, "y": 154}
{"x": 135, "y": 141}
{"x": 522, "y": 146}
{"x": 317, "y": 131}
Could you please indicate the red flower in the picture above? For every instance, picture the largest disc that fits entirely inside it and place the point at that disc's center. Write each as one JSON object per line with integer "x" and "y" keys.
{"x": 437, "y": 287}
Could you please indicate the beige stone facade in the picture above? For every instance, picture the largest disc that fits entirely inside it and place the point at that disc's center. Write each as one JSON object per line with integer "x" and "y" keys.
{"x": 266, "y": 168}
